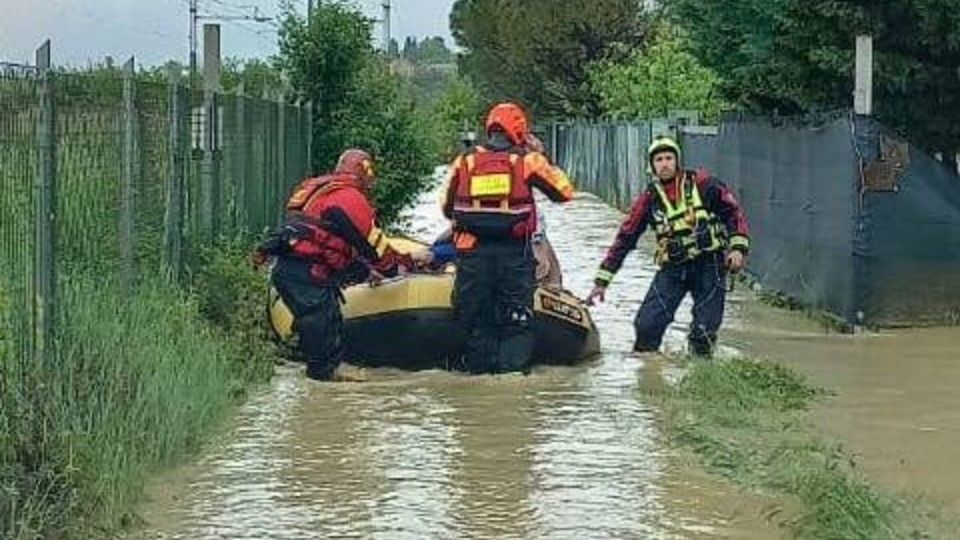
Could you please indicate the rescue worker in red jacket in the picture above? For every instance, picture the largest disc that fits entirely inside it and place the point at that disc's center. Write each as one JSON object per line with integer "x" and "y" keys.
{"x": 489, "y": 198}
{"x": 329, "y": 239}
{"x": 701, "y": 234}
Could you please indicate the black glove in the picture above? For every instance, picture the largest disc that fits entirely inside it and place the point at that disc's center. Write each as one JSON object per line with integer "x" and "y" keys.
{"x": 280, "y": 239}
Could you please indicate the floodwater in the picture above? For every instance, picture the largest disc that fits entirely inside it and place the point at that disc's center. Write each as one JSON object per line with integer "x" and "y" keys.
{"x": 897, "y": 394}
{"x": 564, "y": 453}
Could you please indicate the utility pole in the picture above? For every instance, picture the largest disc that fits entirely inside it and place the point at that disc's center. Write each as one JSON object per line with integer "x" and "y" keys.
{"x": 386, "y": 25}
{"x": 194, "y": 17}
{"x": 863, "y": 78}
{"x": 193, "y": 40}
{"x": 309, "y": 10}
{"x": 210, "y": 166}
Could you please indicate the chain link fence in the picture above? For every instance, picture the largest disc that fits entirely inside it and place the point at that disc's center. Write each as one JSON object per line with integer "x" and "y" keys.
{"x": 111, "y": 174}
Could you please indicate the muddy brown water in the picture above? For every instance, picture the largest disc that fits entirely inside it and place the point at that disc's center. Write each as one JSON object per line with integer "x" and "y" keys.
{"x": 565, "y": 453}
{"x": 897, "y": 394}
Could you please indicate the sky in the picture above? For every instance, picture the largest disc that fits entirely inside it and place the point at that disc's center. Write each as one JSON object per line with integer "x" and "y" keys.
{"x": 155, "y": 31}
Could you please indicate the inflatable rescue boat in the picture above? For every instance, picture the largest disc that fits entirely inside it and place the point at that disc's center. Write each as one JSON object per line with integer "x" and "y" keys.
{"x": 408, "y": 323}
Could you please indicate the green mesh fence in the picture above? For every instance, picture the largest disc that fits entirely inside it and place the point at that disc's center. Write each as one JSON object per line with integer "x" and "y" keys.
{"x": 19, "y": 161}
{"x": 145, "y": 172}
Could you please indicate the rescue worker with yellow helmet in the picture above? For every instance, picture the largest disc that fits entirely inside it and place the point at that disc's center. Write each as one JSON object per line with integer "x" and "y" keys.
{"x": 489, "y": 198}
{"x": 702, "y": 234}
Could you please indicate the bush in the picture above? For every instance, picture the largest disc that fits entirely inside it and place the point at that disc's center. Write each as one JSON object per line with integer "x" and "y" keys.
{"x": 136, "y": 383}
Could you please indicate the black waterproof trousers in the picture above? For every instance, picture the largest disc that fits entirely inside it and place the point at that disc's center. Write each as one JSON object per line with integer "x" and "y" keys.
{"x": 493, "y": 302}
{"x": 317, "y": 317}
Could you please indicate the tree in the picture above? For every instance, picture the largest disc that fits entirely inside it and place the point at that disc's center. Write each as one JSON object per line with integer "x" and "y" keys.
{"x": 323, "y": 58}
{"x": 538, "y": 52}
{"x": 357, "y": 102}
{"x": 409, "y": 47}
{"x": 797, "y": 56}
{"x": 655, "y": 81}
{"x": 257, "y": 76}
{"x": 460, "y": 106}
{"x": 379, "y": 119}
{"x": 433, "y": 51}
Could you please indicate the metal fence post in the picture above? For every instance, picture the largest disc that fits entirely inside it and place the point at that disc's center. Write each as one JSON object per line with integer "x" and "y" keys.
{"x": 309, "y": 162}
{"x": 173, "y": 205}
{"x": 45, "y": 272}
{"x": 216, "y": 156}
{"x": 269, "y": 167}
{"x": 239, "y": 161}
{"x": 128, "y": 193}
{"x": 281, "y": 152}
{"x": 210, "y": 169}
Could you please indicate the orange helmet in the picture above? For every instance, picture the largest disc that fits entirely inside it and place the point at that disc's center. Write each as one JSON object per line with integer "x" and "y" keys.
{"x": 511, "y": 119}
{"x": 357, "y": 163}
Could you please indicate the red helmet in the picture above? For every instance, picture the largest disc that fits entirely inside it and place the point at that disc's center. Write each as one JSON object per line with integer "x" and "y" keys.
{"x": 357, "y": 163}
{"x": 511, "y": 119}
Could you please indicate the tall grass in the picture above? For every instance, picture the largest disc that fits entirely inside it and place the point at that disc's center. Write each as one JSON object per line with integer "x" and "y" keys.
{"x": 139, "y": 380}
{"x": 136, "y": 383}
{"x": 746, "y": 421}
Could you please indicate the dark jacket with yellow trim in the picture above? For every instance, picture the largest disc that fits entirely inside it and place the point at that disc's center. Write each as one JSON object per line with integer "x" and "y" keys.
{"x": 718, "y": 199}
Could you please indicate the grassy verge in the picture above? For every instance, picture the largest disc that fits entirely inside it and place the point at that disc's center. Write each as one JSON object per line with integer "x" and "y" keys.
{"x": 138, "y": 382}
{"x": 746, "y": 421}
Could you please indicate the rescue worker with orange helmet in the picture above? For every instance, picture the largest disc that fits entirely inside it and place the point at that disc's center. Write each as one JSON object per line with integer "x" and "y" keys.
{"x": 489, "y": 198}
{"x": 701, "y": 233}
{"x": 329, "y": 239}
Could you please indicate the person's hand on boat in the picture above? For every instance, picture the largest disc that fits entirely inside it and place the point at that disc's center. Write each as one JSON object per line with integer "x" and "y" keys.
{"x": 375, "y": 278}
{"x": 421, "y": 257}
{"x": 596, "y": 295}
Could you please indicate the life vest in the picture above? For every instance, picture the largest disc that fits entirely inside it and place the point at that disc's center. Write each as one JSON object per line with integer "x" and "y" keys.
{"x": 493, "y": 198}
{"x": 315, "y": 187}
{"x": 328, "y": 252}
{"x": 685, "y": 229}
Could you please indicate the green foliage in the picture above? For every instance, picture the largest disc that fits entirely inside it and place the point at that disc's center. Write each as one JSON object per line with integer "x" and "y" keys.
{"x": 539, "y": 52}
{"x": 137, "y": 382}
{"x": 257, "y": 77}
{"x": 424, "y": 85}
{"x": 654, "y": 81}
{"x": 427, "y": 69}
{"x": 232, "y": 296}
{"x": 746, "y": 385}
{"x": 431, "y": 50}
{"x": 380, "y": 120}
{"x": 745, "y": 420}
{"x": 323, "y": 58}
{"x": 460, "y": 106}
{"x": 358, "y": 103}
{"x": 797, "y": 56}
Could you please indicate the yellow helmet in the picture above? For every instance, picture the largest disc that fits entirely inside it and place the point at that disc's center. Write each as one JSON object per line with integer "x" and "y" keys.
{"x": 661, "y": 144}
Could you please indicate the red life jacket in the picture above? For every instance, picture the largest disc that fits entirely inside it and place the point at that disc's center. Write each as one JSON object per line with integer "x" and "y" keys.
{"x": 493, "y": 198}
{"x": 328, "y": 252}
